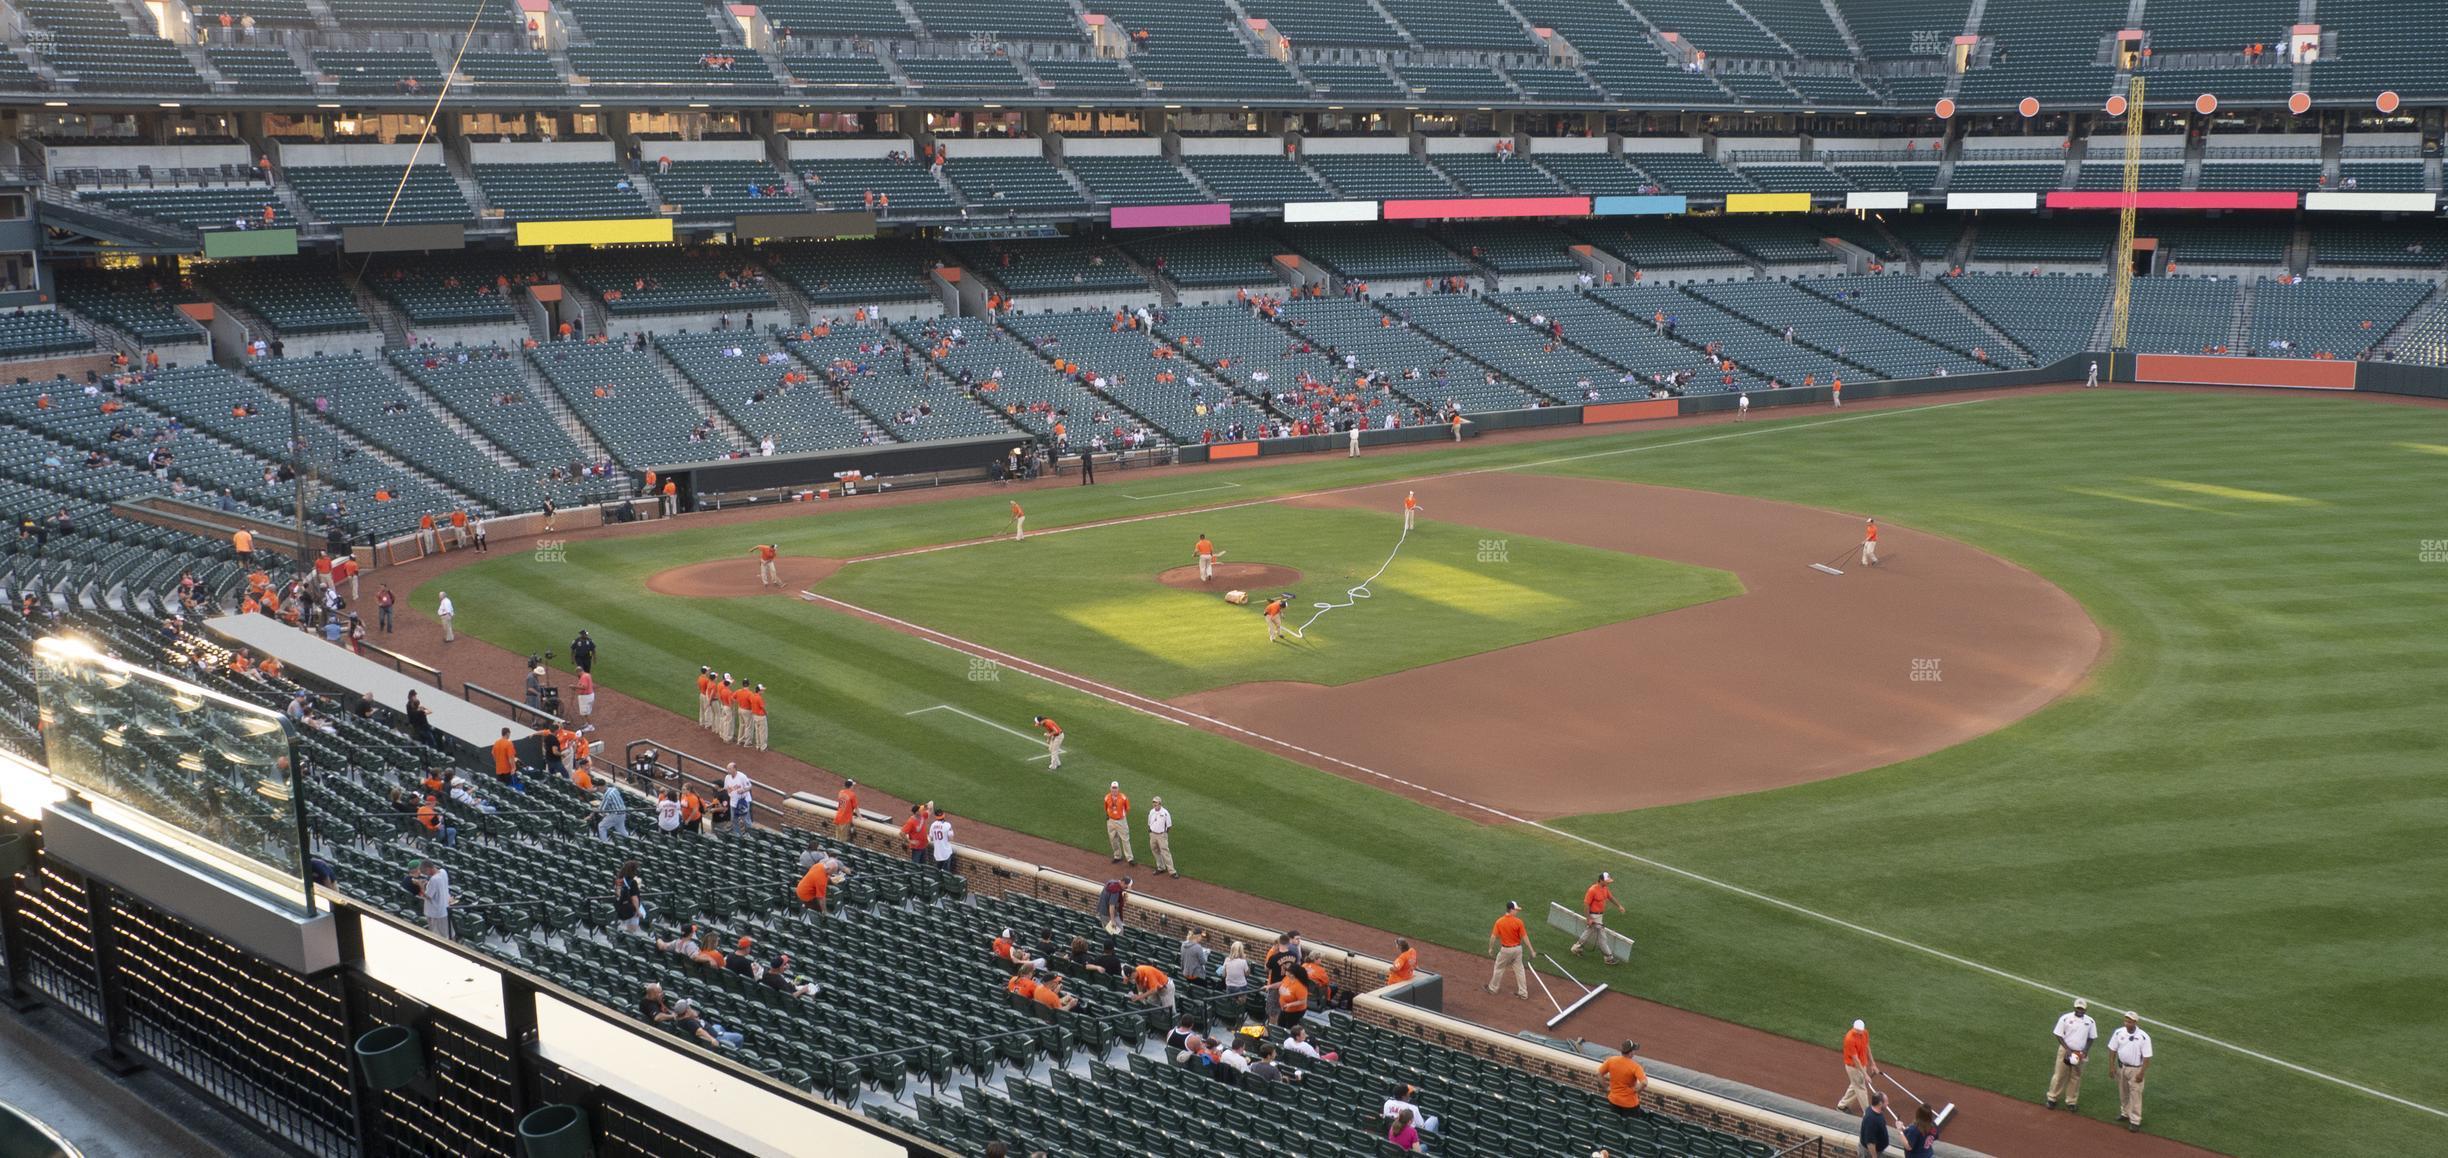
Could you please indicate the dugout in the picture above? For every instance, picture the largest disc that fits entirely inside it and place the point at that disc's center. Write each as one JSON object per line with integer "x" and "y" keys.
{"x": 705, "y": 485}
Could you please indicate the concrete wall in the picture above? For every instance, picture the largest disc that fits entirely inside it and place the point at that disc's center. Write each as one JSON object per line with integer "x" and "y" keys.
{"x": 1690, "y": 145}
{"x": 1462, "y": 144}
{"x": 703, "y": 150}
{"x": 58, "y": 157}
{"x": 537, "y": 152}
{"x": 1112, "y": 147}
{"x": 863, "y": 148}
{"x": 1372, "y": 146}
{"x": 957, "y": 148}
{"x": 305, "y": 156}
{"x": 1540, "y": 145}
{"x": 1231, "y": 146}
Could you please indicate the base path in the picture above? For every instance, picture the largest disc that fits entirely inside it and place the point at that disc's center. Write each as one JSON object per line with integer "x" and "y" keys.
{"x": 1805, "y": 676}
{"x": 728, "y": 578}
{"x": 1249, "y": 576}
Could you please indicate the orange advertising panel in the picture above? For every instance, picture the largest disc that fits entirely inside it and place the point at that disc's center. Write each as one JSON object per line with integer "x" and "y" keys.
{"x": 1631, "y": 411}
{"x": 2291, "y": 373}
{"x": 1232, "y": 450}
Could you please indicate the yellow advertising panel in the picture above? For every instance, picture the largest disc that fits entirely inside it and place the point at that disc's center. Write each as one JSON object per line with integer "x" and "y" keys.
{"x": 599, "y": 232}
{"x": 1768, "y": 203}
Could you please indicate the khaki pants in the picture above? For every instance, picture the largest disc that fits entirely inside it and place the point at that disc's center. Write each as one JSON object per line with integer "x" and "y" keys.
{"x": 1869, "y": 552}
{"x": 841, "y": 832}
{"x": 1117, "y": 834}
{"x": 1510, "y": 957}
{"x": 1161, "y": 843}
{"x": 1593, "y": 930}
{"x": 705, "y": 710}
{"x": 1856, "y": 1097}
{"x": 2129, "y": 1093}
{"x": 449, "y": 633}
{"x": 761, "y": 729}
{"x": 769, "y": 572}
{"x": 722, "y": 721}
{"x": 1053, "y": 752}
{"x": 1206, "y": 566}
{"x": 2065, "y": 1081}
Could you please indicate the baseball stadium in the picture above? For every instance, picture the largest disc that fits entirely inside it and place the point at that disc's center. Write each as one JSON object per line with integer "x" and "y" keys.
{"x": 1095, "y": 578}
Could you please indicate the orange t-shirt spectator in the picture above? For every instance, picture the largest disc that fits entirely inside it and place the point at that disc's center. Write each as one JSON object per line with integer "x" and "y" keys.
{"x": 505, "y": 756}
{"x": 1624, "y": 1078}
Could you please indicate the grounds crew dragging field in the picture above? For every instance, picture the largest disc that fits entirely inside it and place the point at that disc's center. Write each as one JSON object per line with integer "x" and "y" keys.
{"x": 1594, "y": 904}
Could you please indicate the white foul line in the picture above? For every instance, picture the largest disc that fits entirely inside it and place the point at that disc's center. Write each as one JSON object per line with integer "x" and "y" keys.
{"x": 983, "y": 720}
{"x": 1451, "y": 474}
{"x": 1230, "y": 486}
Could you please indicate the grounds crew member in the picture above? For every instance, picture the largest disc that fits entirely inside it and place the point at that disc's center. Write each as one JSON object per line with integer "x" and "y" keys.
{"x": 1117, "y": 823}
{"x": 1509, "y": 940}
{"x": 1054, "y": 740}
{"x": 705, "y": 697}
{"x": 1860, "y": 1066}
{"x": 1274, "y": 617}
{"x": 769, "y": 570}
{"x": 1160, "y": 836}
{"x": 1594, "y": 904}
{"x": 1206, "y": 557}
{"x": 1869, "y": 542}
{"x": 2074, "y": 1034}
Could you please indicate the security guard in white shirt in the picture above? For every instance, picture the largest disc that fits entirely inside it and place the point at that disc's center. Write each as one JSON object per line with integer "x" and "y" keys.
{"x": 2130, "y": 1048}
{"x": 2074, "y": 1034}
{"x": 1160, "y": 836}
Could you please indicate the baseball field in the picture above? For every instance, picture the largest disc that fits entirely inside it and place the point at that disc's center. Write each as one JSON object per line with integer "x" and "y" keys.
{"x": 2142, "y": 704}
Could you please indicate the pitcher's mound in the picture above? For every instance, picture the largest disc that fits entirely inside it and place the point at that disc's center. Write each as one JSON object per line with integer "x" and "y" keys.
{"x": 1251, "y": 576}
{"x": 727, "y": 578}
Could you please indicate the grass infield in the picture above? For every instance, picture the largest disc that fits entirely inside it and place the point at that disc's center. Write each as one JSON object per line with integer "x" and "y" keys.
{"x": 2239, "y": 826}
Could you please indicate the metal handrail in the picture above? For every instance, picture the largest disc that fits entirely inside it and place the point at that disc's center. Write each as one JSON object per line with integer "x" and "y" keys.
{"x": 401, "y": 663}
{"x": 469, "y": 691}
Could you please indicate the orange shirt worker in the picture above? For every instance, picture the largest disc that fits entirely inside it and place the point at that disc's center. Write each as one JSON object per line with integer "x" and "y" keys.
{"x": 1410, "y": 508}
{"x": 1870, "y": 542}
{"x": 1054, "y": 742}
{"x": 1406, "y": 962}
{"x": 1206, "y": 557}
{"x": 845, "y": 811}
{"x": 769, "y": 569}
{"x": 1117, "y": 822}
{"x": 1860, "y": 1066}
{"x": 705, "y": 697}
{"x": 1509, "y": 940}
{"x": 1274, "y": 617}
{"x": 1594, "y": 904}
{"x": 1626, "y": 1081}
{"x": 1019, "y": 521}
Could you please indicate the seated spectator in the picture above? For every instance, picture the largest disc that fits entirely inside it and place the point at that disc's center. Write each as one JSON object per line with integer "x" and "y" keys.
{"x": 1267, "y": 1069}
{"x": 691, "y": 1022}
{"x": 778, "y": 977}
{"x": 684, "y": 945}
{"x": 1402, "y": 1135}
{"x": 1050, "y": 994}
{"x": 652, "y": 1006}
{"x": 1401, "y": 1104}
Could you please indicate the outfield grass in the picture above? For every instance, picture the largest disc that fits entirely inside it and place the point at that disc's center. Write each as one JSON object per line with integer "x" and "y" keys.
{"x": 2240, "y": 825}
{"x": 1114, "y": 622}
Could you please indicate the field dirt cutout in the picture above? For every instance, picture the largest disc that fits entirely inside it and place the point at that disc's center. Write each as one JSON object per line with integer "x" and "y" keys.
{"x": 732, "y": 578}
{"x": 1250, "y": 577}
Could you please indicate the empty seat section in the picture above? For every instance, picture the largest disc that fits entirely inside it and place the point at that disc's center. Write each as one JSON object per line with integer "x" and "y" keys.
{"x": 2081, "y": 239}
{"x": 1597, "y": 174}
{"x": 561, "y": 191}
{"x": 2287, "y": 176}
{"x": 1415, "y": 367}
{"x": 2049, "y": 316}
{"x": 652, "y": 279}
{"x": 490, "y": 392}
{"x": 1690, "y": 174}
{"x": 1522, "y": 342}
{"x": 1049, "y": 266}
{"x": 1758, "y": 88}
{"x": 1712, "y": 26}
{"x": 1635, "y": 344}
{"x": 2381, "y": 176}
{"x": 463, "y": 288}
{"x": 1191, "y": 50}
{"x": 1772, "y": 239}
{"x": 1461, "y": 24}
{"x": 378, "y": 194}
{"x": 962, "y": 74}
{"x": 1918, "y": 306}
{"x": 511, "y": 73}
{"x": 1656, "y": 244}
{"x": 259, "y": 69}
{"x": 1516, "y": 248}
{"x": 1833, "y": 90}
{"x": 1035, "y": 19}
{"x": 2050, "y": 51}
{"x": 628, "y": 405}
{"x": 359, "y": 397}
{"x": 1206, "y": 258}
{"x": 1010, "y": 184}
{"x": 422, "y": 14}
{"x": 297, "y": 297}
{"x": 1802, "y": 177}
{"x": 1377, "y": 251}
{"x": 40, "y": 332}
{"x": 2235, "y": 239}
{"x": 1701, "y": 323}
{"x": 836, "y": 75}
{"x": 209, "y": 207}
{"x": 1332, "y": 23}
{"x": 2110, "y": 174}
{"x": 843, "y": 184}
{"x": 1487, "y": 175}
{"x": 1819, "y": 323}
{"x": 1064, "y": 77}
{"x": 854, "y": 18}
{"x": 1558, "y": 85}
{"x": 89, "y": 47}
{"x": 660, "y": 46}
{"x": 2333, "y": 319}
{"x": 723, "y": 188}
{"x": 1380, "y": 175}
{"x": 380, "y": 72}
{"x": 753, "y": 381}
{"x": 144, "y": 304}
{"x": 1135, "y": 180}
{"x": 1256, "y": 177}
{"x": 1353, "y": 81}
{"x": 851, "y": 273}
{"x": 1453, "y": 83}
{"x": 2180, "y": 315}
{"x": 1973, "y": 176}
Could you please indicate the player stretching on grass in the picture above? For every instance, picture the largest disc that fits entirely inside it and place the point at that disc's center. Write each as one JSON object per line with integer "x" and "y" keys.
{"x": 1054, "y": 738}
{"x": 1274, "y": 617}
{"x": 1206, "y": 557}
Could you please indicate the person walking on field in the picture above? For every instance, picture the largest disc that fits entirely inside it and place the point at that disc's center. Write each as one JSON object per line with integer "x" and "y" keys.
{"x": 1054, "y": 740}
{"x": 448, "y": 614}
{"x": 2073, "y": 1035}
{"x": 1410, "y": 508}
{"x": 1509, "y": 941}
{"x": 1742, "y": 406}
{"x": 1870, "y": 542}
{"x": 1117, "y": 824}
{"x": 1205, "y": 550}
{"x": 1160, "y": 836}
{"x": 2091, "y": 380}
{"x": 1274, "y": 617}
{"x": 1019, "y": 522}
{"x": 1355, "y": 440}
{"x": 1594, "y": 904}
{"x": 2130, "y": 1048}
{"x": 1860, "y": 1065}
{"x": 586, "y": 694}
{"x": 769, "y": 570}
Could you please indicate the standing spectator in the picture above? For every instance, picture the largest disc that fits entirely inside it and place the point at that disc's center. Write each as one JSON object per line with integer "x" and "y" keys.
{"x": 615, "y": 811}
{"x": 2074, "y": 1034}
{"x": 549, "y": 512}
{"x": 1626, "y": 1081}
{"x": 383, "y": 599}
{"x": 1509, "y": 941}
{"x": 1160, "y": 836}
{"x": 1873, "y": 1137}
{"x": 505, "y": 758}
{"x": 742, "y": 792}
{"x": 1194, "y": 955}
{"x": 435, "y": 890}
{"x": 1406, "y": 962}
{"x": 1921, "y": 1138}
{"x": 2130, "y": 1048}
{"x": 448, "y": 613}
{"x": 1290, "y": 997}
{"x": 668, "y": 813}
{"x": 1111, "y": 901}
{"x": 582, "y": 652}
{"x": 845, "y": 811}
{"x": 1594, "y": 904}
{"x": 629, "y": 897}
{"x": 1859, "y": 1066}
{"x": 1117, "y": 822}
{"x": 483, "y": 544}
{"x": 459, "y": 527}
{"x": 914, "y": 834}
{"x": 939, "y": 840}
{"x": 1236, "y": 968}
{"x": 816, "y": 885}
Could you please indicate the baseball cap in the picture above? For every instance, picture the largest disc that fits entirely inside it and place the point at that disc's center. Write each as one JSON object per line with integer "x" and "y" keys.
{"x": 745, "y": 942}
{"x": 1115, "y": 784}
{"x": 2130, "y": 1015}
{"x": 1857, "y": 1024}
{"x": 1512, "y": 905}
{"x": 1606, "y": 876}
{"x": 2079, "y": 1003}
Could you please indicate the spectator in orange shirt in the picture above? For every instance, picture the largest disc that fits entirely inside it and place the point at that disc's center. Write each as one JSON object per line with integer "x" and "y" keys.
{"x": 914, "y": 833}
{"x": 1050, "y": 994}
{"x": 1023, "y": 983}
{"x": 1626, "y": 1081}
{"x": 1117, "y": 813}
{"x": 1509, "y": 940}
{"x": 505, "y": 758}
{"x": 817, "y": 883}
{"x": 1150, "y": 986}
{"x": 845, "y": 811}
{"x": 1291, "y": 999}
{"x": 1406, "y": 963}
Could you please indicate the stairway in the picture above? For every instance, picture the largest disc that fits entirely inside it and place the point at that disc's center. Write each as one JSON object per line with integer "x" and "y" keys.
{"x": 1836, "y": 17}
{"x": 541, "y": 389}
{"x": 389, "y": 321}
{"x": 2239, "y": 315}
{"x": 729, "y": 430}
{"x": 2005, "y": 341}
